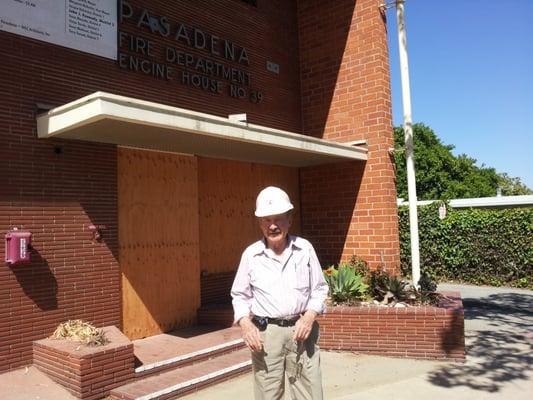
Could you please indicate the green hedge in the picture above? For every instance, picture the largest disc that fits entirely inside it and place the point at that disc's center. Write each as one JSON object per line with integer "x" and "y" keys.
{"x": 486, "y": 247}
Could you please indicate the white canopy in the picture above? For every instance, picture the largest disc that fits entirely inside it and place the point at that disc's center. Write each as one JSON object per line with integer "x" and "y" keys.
{"x": 108, "y": 118}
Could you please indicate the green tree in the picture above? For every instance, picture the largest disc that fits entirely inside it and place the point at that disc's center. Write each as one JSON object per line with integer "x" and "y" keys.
{"x": 441, "y": 175}
{"x": 512, "y": 186}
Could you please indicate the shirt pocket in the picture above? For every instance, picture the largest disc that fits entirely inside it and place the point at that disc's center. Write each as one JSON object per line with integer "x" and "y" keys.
{"x": 301, "y": 271}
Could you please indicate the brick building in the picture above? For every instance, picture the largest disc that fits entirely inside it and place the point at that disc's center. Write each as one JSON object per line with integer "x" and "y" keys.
{"x": 136, "y": 172}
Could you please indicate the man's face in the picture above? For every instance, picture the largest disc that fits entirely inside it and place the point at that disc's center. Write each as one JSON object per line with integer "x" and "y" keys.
{"x": 275, "y": 228}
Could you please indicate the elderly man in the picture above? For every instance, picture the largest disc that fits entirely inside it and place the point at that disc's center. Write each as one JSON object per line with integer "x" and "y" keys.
{"x": 278, "y": 291}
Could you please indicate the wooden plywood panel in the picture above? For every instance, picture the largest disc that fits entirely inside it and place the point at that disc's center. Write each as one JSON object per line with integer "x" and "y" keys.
{"x": 227, "y": 192}
{"x": 158, "y": 241}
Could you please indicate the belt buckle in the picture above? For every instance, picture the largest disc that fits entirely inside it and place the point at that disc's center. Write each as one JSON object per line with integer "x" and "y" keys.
{"x": 284, "y": 322}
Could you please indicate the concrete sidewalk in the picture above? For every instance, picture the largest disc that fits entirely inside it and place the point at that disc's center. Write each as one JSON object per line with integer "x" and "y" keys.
{"x": 499, "y": 338}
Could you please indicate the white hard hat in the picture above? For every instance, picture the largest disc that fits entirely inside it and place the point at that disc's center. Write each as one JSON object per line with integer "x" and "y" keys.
{"x": 272, "y": 201}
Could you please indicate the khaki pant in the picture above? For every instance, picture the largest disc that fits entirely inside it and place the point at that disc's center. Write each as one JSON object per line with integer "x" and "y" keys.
{"x": 281, "y": 357}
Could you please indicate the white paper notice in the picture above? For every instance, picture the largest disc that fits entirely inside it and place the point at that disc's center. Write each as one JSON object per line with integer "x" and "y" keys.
{"x": 85, "y": 25}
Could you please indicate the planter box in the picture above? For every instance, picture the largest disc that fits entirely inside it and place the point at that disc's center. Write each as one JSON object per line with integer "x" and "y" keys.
{"x": 414, "y": 332}
{"x": 87, "y": 372}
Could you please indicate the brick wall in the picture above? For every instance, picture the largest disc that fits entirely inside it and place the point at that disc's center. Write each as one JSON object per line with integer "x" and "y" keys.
{"x": 268, "y": 32}
{"x": 215, "y": 288}
{"x": 57, "y": 192}
{"x": 87, "y": 372}
{"x": 56, "y": 197}
{"x": 334, "y": 55}
{"x": 349, "y": 208}
{"x": 412, "y": 332}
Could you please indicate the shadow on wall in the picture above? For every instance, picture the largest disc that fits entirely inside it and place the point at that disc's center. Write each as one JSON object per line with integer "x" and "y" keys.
{"x": 101, "y": 228}
{"x": 328, "y": 196}
{"x": 453, "y": 337}
{"x": 499, "y": 344}
{"x": 37, "y": 281}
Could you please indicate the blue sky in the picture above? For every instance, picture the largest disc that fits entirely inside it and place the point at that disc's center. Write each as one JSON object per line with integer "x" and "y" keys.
{"x": 471, "y": 76}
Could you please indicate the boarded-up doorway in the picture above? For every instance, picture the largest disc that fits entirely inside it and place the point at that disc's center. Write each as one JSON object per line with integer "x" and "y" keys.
{"x": 227, "y": 192}
{"x": 158, "y": 241}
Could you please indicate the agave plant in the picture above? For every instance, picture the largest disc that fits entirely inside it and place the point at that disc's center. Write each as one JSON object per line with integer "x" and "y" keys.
{"x": 387, "y": 288}
{"x": 345, "y": 284}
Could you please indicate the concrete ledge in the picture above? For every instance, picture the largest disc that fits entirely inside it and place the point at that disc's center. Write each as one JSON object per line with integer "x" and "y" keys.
{"x": 85, "y": 371}
{"x": 109, "y": 118}
{"x": 412, "y": 332}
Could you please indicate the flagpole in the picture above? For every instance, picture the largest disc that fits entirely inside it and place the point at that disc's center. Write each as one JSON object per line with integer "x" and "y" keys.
{"x": 409, "y": 147}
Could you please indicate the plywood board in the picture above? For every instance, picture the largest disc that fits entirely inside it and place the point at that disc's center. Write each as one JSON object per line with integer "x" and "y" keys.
{"x": 227, "y": 192}
{"x": 158, "y": 241}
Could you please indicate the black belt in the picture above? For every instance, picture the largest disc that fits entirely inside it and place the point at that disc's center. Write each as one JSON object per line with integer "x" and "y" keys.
{"x": 262, "y": 322}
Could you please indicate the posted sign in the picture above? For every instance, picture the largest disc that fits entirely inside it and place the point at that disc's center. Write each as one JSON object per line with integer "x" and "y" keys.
{"x": 85, "y": 25}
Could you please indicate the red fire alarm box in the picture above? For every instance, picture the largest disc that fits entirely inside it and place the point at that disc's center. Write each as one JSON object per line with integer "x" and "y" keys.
{"x": 18, "y": 247}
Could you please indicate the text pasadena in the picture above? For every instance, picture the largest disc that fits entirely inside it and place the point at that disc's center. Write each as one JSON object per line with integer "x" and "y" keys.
{"x": 192, "y": 37}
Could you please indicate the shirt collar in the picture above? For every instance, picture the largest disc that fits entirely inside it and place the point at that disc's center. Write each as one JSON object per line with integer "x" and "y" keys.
{"x": 294, "y": 244}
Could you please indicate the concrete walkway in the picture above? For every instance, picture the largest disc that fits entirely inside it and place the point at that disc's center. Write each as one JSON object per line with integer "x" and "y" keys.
{"x": 499, "y": 365}
{"x": 31, "y": 384}
{"x": 499, "y": 337}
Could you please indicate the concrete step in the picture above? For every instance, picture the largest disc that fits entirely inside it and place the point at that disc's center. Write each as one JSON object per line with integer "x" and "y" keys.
{"x": 183, "y": 347}
{"x": 180, "y": 381}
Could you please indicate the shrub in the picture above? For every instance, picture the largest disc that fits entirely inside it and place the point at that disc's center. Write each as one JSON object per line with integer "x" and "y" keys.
{"x": 387, "y": 288}
{"x": 359, "y": 265}
{"x": 491, "y": 247}
{"x": 345, "y": 284}
{"x": 353, "y": 281}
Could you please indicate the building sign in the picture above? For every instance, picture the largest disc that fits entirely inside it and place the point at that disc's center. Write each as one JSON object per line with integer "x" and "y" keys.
{"x": 183, "y": 54}
{"x": 442, "y": 211}
{"x": 85, "y": 25}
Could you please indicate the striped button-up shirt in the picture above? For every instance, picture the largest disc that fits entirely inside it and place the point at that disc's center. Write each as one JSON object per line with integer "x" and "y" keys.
{"x": 273, "y": 286}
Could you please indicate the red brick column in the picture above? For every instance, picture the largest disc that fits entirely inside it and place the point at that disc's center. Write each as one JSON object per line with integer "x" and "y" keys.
{"x": 346, "y": 97}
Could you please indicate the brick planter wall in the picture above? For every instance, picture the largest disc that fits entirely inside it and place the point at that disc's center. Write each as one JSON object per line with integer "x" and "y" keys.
{"x": 413, "y": 332}
{"x": 87, "y": 372}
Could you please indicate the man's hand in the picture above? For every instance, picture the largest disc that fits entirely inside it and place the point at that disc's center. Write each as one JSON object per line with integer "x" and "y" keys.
{"x": 250, "y": 334}
{"x": 303, "y": 326}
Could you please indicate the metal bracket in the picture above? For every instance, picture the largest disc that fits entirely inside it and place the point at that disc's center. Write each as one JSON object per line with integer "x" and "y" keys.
{"x": 97, "y": 231}
{"x": 237, "y": 118}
